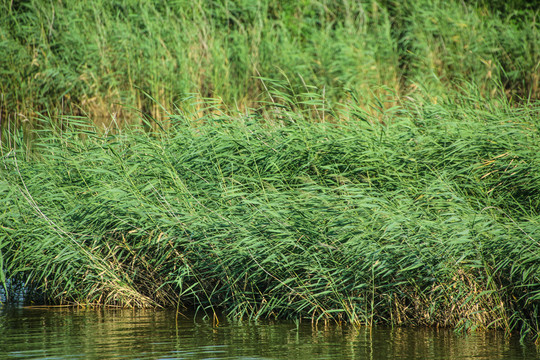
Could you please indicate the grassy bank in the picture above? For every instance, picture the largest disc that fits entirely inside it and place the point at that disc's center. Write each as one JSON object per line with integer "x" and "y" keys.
{"x": 428, "y": 219}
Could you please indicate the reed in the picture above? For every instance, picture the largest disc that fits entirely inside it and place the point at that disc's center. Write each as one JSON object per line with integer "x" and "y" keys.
{"x": 103, "y": 60}
{"x": 428, "y": 219}
{"x": 362, "y": 162}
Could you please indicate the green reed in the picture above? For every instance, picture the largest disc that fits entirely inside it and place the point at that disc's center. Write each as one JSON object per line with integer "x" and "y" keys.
{"x": 422, "y": 214}
{"x": 361, "y": 162}
{"x": 103, "y": 59}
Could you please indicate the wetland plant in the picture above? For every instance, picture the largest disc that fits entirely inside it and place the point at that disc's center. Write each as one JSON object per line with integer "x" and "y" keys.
{"x": 428, "y": 219}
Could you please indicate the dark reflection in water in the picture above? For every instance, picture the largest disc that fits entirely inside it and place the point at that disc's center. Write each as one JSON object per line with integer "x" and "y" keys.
{"x": 89, "y": 334}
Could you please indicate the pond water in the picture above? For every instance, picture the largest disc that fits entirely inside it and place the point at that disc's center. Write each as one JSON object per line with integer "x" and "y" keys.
{"x": 65, "y": 333}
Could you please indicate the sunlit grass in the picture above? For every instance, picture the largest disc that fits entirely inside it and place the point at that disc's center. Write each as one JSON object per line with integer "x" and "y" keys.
{"x": 366, "y": 162}
{"x": 428, "y": 219}
{"x": 104, "y": 59}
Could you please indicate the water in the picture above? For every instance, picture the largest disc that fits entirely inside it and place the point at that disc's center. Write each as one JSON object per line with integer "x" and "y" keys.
{"x": 60, "y": 333}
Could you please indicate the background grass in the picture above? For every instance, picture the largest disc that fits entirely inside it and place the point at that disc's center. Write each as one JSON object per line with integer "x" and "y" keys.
{"x": 102, "y": 59}
{"x": 362, "y": 162}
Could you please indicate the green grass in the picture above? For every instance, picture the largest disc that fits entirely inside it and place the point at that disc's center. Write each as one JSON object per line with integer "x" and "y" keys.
{"x": 430, "y": 219}
{"x": 363, "y": 162}
{"x": 104, "y": 60}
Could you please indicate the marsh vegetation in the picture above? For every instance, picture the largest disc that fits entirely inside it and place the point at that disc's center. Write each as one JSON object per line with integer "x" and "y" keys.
{"x": 358, "y": 162}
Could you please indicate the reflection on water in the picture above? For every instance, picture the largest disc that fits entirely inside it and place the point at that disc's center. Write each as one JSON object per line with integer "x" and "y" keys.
{"x": 89, "y": 334}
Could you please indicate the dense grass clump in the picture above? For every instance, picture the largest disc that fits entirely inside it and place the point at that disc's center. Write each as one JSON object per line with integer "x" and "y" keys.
{"x": 429, "y": 219}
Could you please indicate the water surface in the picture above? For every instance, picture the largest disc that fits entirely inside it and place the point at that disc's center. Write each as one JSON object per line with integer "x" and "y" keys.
{"x": 65, "y": 333}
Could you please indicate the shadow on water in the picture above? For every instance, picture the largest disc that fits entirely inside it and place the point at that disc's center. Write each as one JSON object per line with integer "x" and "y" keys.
{"x": 18, "y": 294}
{"x": 66, "y": 333}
